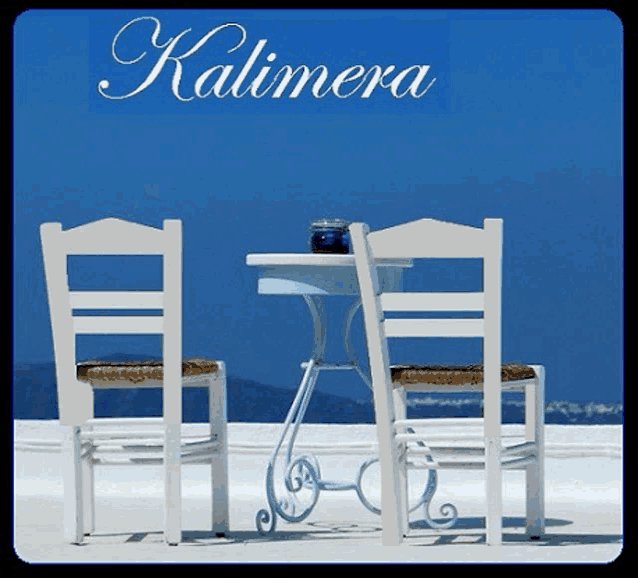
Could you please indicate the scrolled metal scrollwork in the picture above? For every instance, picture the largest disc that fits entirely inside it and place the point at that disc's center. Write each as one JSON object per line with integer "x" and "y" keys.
{"x": 364, "y": 466}
{"x": 264, "y": 516}
{"x": 300, "y": 473}
{"x": 447, "y": 510}
{"x": 306, "y": 477}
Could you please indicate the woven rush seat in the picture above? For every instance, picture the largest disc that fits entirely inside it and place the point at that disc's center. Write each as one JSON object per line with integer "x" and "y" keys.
{"x": 139, "y": 371}
{"x": 406, "y": 375}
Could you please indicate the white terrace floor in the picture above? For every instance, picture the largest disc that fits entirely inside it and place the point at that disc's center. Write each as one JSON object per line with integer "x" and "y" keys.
{"x": 584, "y": 476}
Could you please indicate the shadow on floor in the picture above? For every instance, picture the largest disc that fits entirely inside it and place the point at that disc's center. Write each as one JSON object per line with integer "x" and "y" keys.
{"x": 326, "y": 530}
{"x": 520, "y": 539}
{"x": 479, "y": 522}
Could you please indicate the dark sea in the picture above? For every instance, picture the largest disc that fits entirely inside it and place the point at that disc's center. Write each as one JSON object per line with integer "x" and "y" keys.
{"x": 35, "y": 397}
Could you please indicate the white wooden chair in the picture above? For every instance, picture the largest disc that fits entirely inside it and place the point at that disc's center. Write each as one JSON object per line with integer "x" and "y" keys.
{"x": 141, "y": 441}
{"x": 427, "y": 238}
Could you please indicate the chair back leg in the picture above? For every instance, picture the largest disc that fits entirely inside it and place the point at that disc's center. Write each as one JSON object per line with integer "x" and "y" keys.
{"x": 399, "y": 396}
{"x": 494, "y": 487}
{"x": 172, "y": 485}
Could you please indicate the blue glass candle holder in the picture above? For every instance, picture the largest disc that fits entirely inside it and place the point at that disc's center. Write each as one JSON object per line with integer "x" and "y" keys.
{"x": 330, "y": 236}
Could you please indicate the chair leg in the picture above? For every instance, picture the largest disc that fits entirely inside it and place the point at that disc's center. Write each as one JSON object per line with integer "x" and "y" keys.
{"x": 72, "y": 481}
{"x": 392, "y": 518}
{"x": 399, "y": 394}
{"x": 172, "y": 485}
{"x": 219, "y": 460}
{"x": 535, "y": 472}
{"x": 88, "y": 487}
{"x": 494, "y": 483}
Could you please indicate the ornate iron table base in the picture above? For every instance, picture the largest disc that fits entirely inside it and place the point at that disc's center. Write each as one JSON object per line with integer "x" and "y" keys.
{"x": 303, "y": 471}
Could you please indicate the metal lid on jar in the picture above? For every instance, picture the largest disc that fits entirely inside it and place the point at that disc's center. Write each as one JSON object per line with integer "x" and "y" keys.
{"x": 332, "y": 224}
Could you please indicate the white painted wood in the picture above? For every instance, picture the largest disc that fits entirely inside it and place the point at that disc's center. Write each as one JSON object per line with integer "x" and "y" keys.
{"x": 113, "y": 236}
{"x": 146, "y": 447}
{"x": 427, "y": 238}
{"x": 218, "y": 418}
{"x": 535, "y": 471}
{"x": 404, "y": 301}
{"x": 467, "y": 463}
{"x": 492, "y": 379}
{"x": 88, "y": 487}
{"x": 519, "y": 463}
{"x": 392, "y": 513}
{"x": 449, "y": 439}
{"x": 494, "y": 490}
{"x": 74, "y": 400}
{"x": 400, "y": 413}
{"x": 452, "y": 450}
{"x": 145, "y": 444}
{"x": 116, "y": 299}
{"x": 87, "y": 439}
{"x": 413, "y": 437}
{"x": 129, "y": 460}
{"x": 172, "y": 485}
{"x": 430, "y": 238}
{"x": 305, "y": 279}
{"x": 126, "y": 421}
{"x": 521, "y": 450}
{"x": 492, "y": 328}
{"x": 172, "y": 341}
{"x": 316, "y": 260}
{"x": 73, "y": 482}
{"x": 444, "y": 422}
{"x": 124, "y": 324}
{"x": 455, "y": 465}
{"x": 460, "y": 448}
{"x": 434, "y": 328}
{"x": 172, "y": 391}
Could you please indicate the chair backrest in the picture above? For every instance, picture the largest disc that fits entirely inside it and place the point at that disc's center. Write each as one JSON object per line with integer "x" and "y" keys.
{"x": 113, "y": 236}
{"x": 429, "y": 238}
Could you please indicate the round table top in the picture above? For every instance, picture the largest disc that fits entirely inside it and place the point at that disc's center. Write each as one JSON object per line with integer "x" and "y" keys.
{"x": 316, "y": 259}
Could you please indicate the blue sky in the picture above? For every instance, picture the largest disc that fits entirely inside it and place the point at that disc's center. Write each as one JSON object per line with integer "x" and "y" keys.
{"x": 523, "y": 122}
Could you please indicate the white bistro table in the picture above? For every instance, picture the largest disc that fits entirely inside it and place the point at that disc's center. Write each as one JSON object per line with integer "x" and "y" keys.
{"x": 314, "y": 277}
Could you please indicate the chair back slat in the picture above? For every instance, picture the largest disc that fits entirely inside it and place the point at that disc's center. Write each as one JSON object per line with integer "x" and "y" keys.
{"x": 428, "y": 238}
{"x": 433, "y": 327}
{"x": 116, "y": 299}
{"x": 118, "y": 325}
{"x": 432, "y": 301}
{"x": 113, "y": 236}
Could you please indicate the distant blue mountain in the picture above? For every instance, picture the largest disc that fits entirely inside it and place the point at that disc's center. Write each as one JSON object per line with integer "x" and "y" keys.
{"x": 35, "y": 397}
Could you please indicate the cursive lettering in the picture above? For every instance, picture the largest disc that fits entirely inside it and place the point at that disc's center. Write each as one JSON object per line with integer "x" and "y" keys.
{"x": 215, "y": 80}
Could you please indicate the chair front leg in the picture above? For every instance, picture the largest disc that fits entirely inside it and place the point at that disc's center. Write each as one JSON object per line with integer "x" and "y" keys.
{"x": 73, "y": 485}
{"x": 535, "y": 472}
{"x": 400, "y": 413}
{"x": 88, "y": 488}
{"x": 219, "y": 458}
